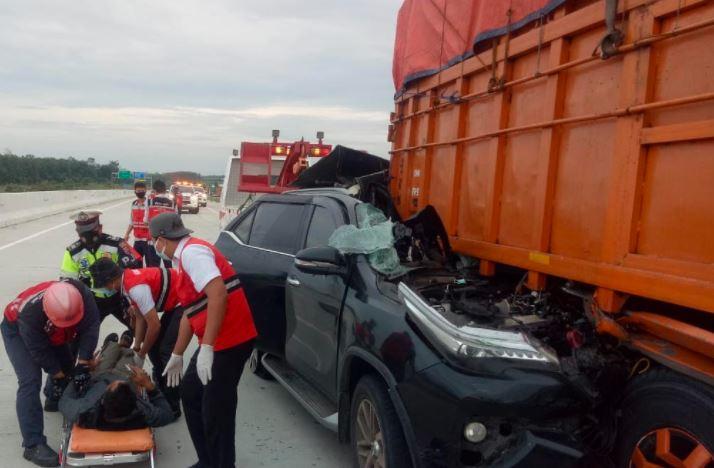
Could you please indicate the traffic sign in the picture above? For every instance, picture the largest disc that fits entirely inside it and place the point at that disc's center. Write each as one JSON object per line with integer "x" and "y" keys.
{"x": 139, "y": 175}
{"x": 124, "y": 175}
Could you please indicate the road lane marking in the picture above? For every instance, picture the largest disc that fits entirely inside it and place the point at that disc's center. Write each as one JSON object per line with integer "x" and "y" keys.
{"x": 45, "y": 231}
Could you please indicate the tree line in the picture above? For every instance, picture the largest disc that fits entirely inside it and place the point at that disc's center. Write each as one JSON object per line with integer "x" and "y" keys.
{"x": 28, "y": 172}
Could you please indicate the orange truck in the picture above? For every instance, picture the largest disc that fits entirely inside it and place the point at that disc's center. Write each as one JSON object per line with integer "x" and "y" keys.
{"x": 573, "y": 142}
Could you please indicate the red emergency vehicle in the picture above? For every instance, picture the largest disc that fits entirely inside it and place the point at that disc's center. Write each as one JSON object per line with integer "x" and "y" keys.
{"x": 266, "y": 168}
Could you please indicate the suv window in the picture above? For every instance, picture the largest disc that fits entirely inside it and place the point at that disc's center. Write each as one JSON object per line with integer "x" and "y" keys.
{"x": 321, "y": 228}
{"x": 276, "y": 227}
{"x": 242, "y": 230}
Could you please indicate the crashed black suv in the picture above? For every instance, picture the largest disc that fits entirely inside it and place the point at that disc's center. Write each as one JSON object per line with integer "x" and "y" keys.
{"x": 374, "y": 328}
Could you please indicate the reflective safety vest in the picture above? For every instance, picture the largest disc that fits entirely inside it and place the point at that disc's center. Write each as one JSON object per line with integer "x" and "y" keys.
{"x": 161, "y": 281}
{"x": 138, "y": 220}
{"x": 78, "y": 258}
{"x": 237, "y": 326}
{"x": 29, "y": 301}
{"x": 157, "y": 204}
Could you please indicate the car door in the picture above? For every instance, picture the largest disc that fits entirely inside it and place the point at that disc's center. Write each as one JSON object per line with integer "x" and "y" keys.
{"x": 313, "y": 307}
{"x": 261, "y": 245}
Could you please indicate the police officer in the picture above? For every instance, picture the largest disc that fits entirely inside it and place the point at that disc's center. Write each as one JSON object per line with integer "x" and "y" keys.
{"x": 217, "y": 312}
{"x": 137, "y": 220}
{"x": 159, "y": 202}
{"x": 92, "y": 245}
{"x": 37, "y": 328}
{"x": 150, "y": 291}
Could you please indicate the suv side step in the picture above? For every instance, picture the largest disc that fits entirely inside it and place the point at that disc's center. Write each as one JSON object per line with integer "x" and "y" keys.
{"x": 312, "y": 399}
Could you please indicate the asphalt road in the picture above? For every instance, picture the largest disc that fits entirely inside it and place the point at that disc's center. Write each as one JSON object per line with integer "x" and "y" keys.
{"x": 272, "y": 429}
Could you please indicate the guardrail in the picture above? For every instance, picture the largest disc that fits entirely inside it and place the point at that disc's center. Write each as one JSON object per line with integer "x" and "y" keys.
{"x": 17, "y": 208}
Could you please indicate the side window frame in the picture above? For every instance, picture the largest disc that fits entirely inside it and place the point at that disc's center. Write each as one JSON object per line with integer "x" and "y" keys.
{"x": 332, "y": 206}
{"x": 302, "y": 225}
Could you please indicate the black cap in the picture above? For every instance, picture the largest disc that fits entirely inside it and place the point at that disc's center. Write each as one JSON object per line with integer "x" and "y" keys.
{"x": 169, "y": 226}
{"x": 103, "y": 271}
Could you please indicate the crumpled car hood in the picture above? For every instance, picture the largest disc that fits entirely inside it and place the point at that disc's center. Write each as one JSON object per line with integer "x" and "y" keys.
{"x": 340, "y": 168}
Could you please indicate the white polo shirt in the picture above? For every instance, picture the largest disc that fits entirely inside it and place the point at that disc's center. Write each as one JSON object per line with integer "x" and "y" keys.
{"x": 198, "y": 262}
{"x": 142, "y": 297}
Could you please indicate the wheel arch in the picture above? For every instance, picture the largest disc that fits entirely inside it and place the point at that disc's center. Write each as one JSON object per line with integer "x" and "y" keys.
{"x": 356, "y": 363}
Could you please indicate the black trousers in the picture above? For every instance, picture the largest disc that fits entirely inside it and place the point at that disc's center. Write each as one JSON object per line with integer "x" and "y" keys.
{"x": 211, "y": 410}
{"x": 152, "y": 259}
{"x": 112, "y": 305}
{"x": 141, "y": 246}
{"x": 160, "y": 353}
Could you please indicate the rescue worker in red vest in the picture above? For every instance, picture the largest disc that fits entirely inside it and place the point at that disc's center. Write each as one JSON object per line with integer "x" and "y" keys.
{"x": 159, "y": 202}
{"x": 150, "y": 291}
{"x": 92, "y": 245}
{"x": 137, "y": 220}
{"x": 37, "y": 328}
{"x": 217, "y": 312}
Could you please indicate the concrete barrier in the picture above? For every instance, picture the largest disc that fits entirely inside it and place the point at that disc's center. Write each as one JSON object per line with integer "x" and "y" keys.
{"x": 16, "y": 208}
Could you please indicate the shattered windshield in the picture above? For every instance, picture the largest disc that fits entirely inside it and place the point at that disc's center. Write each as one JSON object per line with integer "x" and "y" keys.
{"x": 374, "y": 237}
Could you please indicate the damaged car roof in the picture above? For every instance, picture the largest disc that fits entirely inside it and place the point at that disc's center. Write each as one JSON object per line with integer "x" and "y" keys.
{"x": 340, "y": 168}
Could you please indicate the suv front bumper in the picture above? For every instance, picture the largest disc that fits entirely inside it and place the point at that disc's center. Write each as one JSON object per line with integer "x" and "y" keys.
{"x": 528, "y": 416}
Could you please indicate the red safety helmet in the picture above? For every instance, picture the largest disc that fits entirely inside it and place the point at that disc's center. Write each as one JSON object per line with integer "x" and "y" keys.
{"x": 63, "y": 304}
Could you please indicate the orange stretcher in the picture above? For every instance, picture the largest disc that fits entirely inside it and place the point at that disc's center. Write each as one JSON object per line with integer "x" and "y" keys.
{"x": 91, "y": 447}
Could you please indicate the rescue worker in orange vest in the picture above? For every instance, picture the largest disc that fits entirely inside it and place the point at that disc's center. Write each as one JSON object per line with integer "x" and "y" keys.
{"x": 159, "y": 202}
{"x": 217, "y": 312}
{"x": 37, "y": 328}
{"x": 150, "y": 291}
{"x": 137, "y": 220}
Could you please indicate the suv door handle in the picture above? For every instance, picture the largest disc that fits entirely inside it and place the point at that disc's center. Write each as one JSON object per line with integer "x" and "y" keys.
{"x": 293, "y": 281}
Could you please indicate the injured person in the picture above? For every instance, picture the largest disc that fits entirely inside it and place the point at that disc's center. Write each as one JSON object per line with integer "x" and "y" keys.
{"x": 112, "y": 399}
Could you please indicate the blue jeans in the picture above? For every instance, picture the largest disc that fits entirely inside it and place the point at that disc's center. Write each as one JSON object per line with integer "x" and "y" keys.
{"x": 29, "y": 383}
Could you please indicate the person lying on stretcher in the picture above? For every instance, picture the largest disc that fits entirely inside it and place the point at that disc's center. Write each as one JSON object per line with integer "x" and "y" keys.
{"x": 110, "y": 399}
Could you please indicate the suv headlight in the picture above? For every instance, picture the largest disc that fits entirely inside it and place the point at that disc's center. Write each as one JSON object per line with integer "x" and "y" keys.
{"x": 467, "y": 344}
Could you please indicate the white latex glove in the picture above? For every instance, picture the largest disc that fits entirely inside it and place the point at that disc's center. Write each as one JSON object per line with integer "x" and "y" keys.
{"x": 173, "y": 370}
{"x": 138, "y": 361}
{"x": 204, "y": 363}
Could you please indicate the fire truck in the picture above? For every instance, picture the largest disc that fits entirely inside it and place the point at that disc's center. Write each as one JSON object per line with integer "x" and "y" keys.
{"x": 265, "y": 168}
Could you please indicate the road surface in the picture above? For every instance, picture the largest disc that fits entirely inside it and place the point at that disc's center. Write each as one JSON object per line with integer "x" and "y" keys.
{"x": 272, "y": 430}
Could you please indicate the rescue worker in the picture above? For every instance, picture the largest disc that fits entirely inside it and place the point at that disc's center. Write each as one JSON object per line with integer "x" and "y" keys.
{"x": 92, "y": 245}
{"x": 217, "y": 312}
{"x": 149, "y": 291}
{"x": 159, "y": 202}
{"x": 137, "y": 220}
{"x": 37, "y": 328}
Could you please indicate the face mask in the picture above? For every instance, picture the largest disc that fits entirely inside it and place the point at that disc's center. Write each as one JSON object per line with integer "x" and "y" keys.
{"x": 105, "y": 291}
{"x": 90, "y": 238}
{"x": 140, "y": 194}
{"x": 162, "y": 253}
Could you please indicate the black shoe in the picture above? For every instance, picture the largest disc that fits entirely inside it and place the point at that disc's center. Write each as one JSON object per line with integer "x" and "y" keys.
{"x": 111, "y": 338}
{"x": 41, "y": 455}
{"x": 177, "y": 413}
{"x": 127, "y": 338}
{"x": 51, "y": 406}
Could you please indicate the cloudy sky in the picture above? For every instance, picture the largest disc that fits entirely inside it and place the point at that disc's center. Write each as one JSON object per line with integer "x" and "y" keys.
{"x": 176, "y": 84}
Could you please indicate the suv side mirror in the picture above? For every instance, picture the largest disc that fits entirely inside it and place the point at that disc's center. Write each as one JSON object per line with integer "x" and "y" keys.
{"x": 321, "y": 261}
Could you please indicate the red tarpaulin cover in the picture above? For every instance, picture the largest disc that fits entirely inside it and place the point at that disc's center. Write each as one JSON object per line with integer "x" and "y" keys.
{"x": 435, "y": 34}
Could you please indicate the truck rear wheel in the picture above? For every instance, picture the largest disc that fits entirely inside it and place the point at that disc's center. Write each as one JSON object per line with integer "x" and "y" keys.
{"x": 376, "y": 433}
{"x": 666, "y": 422}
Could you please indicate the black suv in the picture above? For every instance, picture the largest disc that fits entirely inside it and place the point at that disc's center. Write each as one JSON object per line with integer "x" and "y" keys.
{"x": 367, "y": 354}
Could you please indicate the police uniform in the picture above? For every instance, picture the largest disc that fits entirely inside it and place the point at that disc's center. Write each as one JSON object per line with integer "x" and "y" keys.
{"x": 79, "y": 256}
